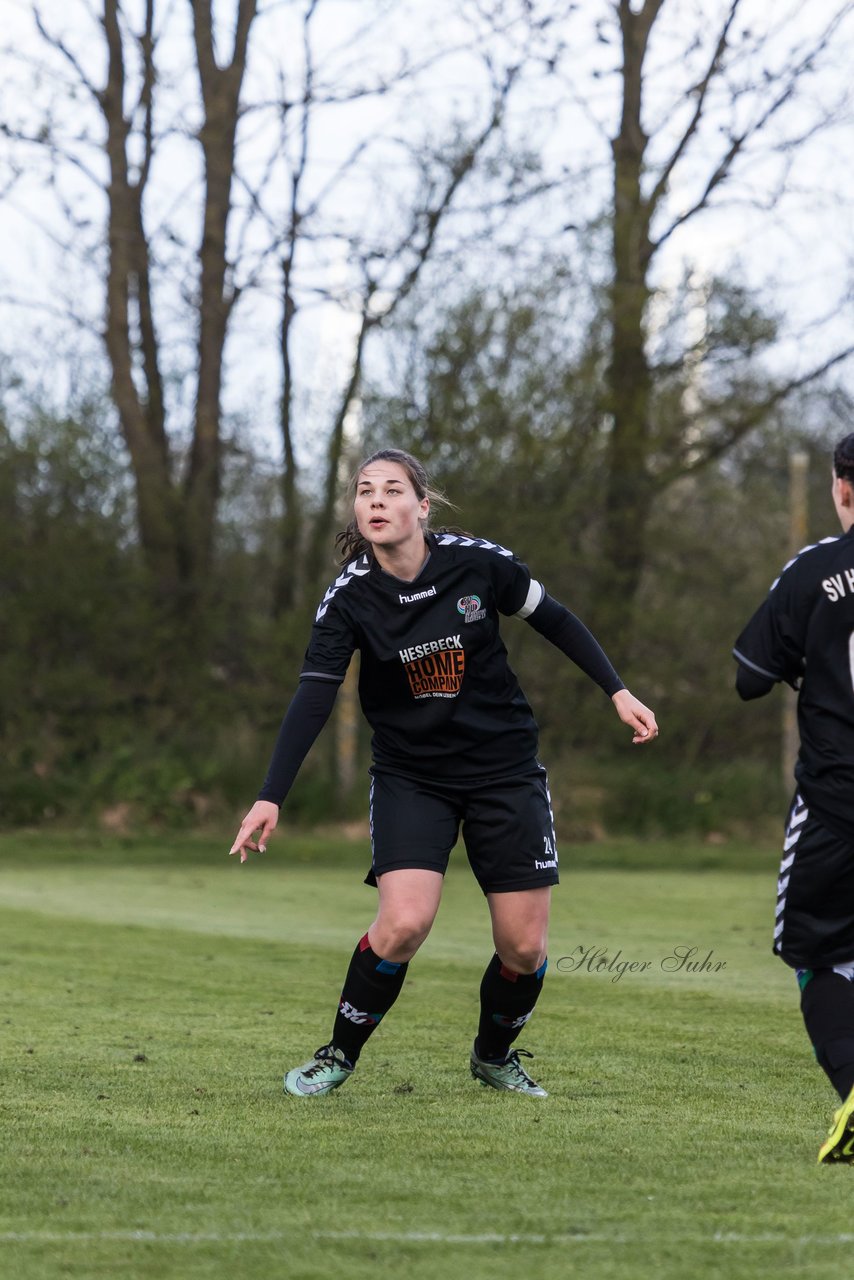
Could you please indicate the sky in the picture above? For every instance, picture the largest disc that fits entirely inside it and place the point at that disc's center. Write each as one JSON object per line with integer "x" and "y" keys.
{"x": 796, "y": 254}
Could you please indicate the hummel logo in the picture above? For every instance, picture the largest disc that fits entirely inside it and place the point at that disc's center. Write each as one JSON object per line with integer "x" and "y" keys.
{"x": 416, "y": 595}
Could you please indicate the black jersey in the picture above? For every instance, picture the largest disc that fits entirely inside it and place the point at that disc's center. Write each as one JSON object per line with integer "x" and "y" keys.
{"x": 435, "y": 684}
{"x": 804, "y": 632}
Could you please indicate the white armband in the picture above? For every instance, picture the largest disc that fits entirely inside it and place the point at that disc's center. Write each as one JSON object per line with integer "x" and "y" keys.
{"x": 536, "y": 592}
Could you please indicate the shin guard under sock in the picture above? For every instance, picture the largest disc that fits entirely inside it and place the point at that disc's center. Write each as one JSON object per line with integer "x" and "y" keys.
{"x": 827, "y": 1005}
{"x": 370, "y": 989}
{"x": 507, "y": 1001}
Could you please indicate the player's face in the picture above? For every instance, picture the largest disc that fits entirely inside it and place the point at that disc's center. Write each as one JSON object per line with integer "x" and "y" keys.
{"x": 387, "y": 508}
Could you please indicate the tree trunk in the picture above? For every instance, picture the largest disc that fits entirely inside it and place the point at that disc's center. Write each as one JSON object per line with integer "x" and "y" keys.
{"x": 221, "y": 87}
{"x": 176, "y": 528}
{"x": 141, "y": 419}
{"x": 286, "y": 592}
{"x": 320, "y": 548}
{"x": 627, "y": 479}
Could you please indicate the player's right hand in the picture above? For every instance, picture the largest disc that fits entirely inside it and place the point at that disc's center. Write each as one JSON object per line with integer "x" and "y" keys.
{"x": 262, "y": 817}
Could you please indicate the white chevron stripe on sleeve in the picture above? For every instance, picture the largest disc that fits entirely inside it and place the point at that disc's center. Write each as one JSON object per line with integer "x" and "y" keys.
{"x": 355, "y": 569}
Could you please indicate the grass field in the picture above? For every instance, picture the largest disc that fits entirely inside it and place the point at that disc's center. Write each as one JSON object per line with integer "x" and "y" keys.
{"x": 153, "y": 993}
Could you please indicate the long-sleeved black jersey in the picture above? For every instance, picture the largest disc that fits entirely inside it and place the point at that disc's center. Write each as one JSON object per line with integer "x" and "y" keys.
{"x": 803, "y": 634}
{"x": 435, "y": 684}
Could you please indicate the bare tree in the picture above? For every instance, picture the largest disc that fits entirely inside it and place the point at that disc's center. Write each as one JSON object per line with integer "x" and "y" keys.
{"x": 382, "y": 261}
{"x": 176, "y": 504}
{"x": 733, "y": 116}
{"x": 272, "y": 222}
{"x": 242, "y": 157}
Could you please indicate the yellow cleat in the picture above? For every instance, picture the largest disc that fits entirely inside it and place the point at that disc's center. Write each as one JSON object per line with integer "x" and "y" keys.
{"x": 839, "y": 1147}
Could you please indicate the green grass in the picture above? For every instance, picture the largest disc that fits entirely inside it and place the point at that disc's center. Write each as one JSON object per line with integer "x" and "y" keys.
{"x": 153, "y": 993}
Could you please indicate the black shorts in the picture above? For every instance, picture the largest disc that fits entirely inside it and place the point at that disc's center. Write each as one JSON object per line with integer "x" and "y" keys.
{"x": 507, "y": 825}
{"x": 814, "y": 928}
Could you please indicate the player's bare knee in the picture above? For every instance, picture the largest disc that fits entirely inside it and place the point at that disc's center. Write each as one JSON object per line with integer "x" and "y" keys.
{"x": 523, "y": 957}
{"x": 399, "y": 939}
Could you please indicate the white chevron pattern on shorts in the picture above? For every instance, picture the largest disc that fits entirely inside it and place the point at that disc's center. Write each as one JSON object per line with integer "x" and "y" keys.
{"x": 794, "y": 827}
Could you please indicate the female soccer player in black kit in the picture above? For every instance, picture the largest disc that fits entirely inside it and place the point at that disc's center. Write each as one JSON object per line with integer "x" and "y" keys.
{"x": 803, "y": 634}
{"x": 454, "y": 741}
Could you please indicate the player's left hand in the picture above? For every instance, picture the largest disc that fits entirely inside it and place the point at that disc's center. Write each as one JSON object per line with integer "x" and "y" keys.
{"x": 638, "y": 717}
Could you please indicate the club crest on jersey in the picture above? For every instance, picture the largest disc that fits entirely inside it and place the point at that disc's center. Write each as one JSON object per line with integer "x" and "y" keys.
{"x": 469, "y": 607}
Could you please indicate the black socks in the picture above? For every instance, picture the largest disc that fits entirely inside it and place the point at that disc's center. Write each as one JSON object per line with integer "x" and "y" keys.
{"x": 827, "y": 1004}
{"x": 372, "y": 985}
{"x": 507, "y": 1001}
{"x": 370, "y": 989}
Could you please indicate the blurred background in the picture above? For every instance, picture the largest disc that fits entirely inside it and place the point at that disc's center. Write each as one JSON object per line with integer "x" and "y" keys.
{"x": 591, "y": 263}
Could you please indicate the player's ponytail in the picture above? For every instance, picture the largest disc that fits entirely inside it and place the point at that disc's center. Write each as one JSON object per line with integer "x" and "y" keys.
{"x": 349, "y": 543}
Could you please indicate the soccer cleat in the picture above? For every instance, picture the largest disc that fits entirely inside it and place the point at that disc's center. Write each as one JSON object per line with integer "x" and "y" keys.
{"x": 328, "y": 1070}
{"x": 509, "y": 1074}
{"x": 839, "y": 1147}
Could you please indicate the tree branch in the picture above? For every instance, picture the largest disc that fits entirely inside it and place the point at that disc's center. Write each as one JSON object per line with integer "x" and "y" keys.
{"x": 432, "y": 218}
{"x": 62, "y": 48}
{"x": 737, "y": 142}
{"x": 745, "y": 423}
{"x": 700, "y": 92}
